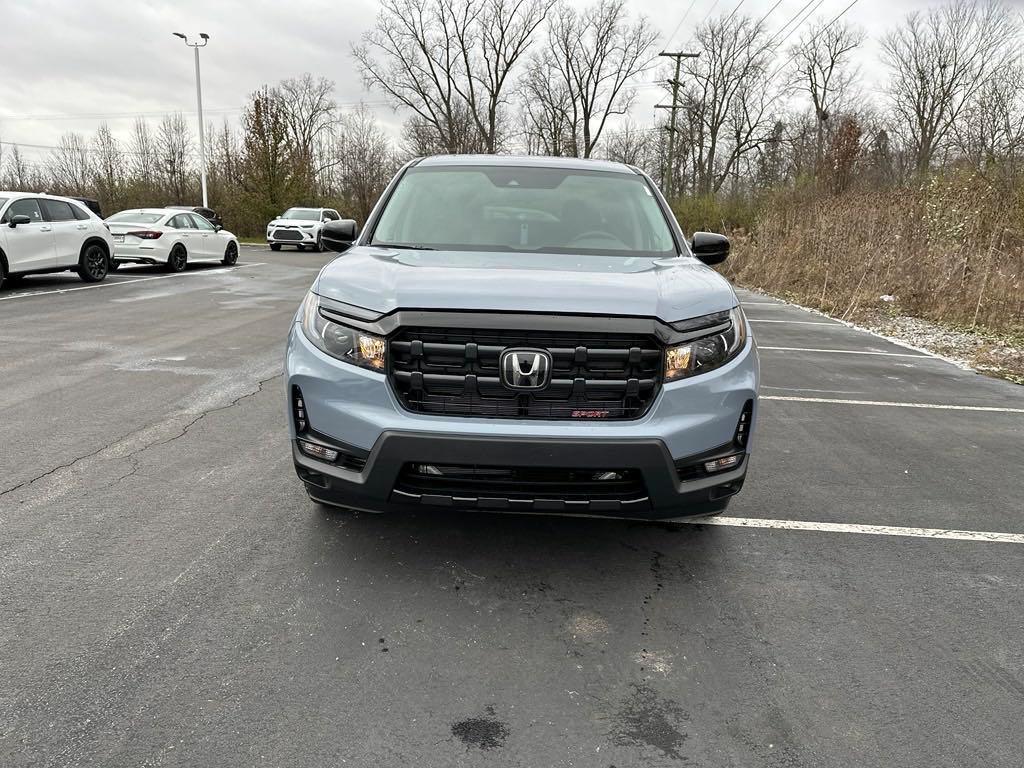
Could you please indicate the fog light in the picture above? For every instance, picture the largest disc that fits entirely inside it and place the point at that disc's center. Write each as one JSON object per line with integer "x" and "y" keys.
{"x": 428, "y": 469}
{"x": 719, "y": 465}
{"x": 317, "y": 451}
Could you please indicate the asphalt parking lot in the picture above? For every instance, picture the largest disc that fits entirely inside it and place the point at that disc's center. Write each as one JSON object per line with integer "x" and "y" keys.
{"x": 169, "y": 596}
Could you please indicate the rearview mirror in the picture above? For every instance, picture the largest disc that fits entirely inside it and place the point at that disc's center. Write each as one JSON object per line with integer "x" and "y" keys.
{"x": 339, "y": 235}
{"x": 710, "y": 247}
{"x": 19, "y": 218}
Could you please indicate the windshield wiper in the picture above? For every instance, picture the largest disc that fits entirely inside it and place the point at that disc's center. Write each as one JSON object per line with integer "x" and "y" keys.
{"x": 403, "y": 246}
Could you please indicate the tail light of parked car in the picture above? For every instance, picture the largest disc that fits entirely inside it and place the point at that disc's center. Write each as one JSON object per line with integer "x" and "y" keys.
{"x": 146, "y": 234}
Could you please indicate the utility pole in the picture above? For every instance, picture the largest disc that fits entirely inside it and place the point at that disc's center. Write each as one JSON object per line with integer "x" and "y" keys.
{"x": 675, "y": 84}
{"x": 199, "y": 102}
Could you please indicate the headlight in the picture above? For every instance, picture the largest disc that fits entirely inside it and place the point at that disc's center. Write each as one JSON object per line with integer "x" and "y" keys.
{"x": 708, "y": 352}
{"x": 349, "y": 344}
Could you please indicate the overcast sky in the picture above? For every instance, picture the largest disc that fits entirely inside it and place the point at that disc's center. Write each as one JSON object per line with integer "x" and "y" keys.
{"x": 71, "y": 64}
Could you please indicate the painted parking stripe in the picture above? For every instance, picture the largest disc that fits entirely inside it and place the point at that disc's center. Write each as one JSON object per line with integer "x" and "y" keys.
{"x": 891, "y": 404}
{"x": 845, "y": 352}
{"x": 220, "y": 271}
{"x": 800, "y": 322}
{"x": 875, "y": 530}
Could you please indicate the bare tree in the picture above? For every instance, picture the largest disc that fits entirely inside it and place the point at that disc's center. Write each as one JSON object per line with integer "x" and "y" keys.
{"x": 173, "y": 147}
{"x": 991, "y": 133}
{"x": 822, "y": 70}
{"x": 108, "y": 167}
{"x": 940, "y": 61}
{"x": 143, "y": 161}
{"x": 593, "y": 55}
{"x": 70, "y": 166}
{"x": 449, "y": 59}
{"x": 18, "y": 170}
{"x": 547, "y": 110}
{"x": 631, "y": 144}
{"x": 366, "y": 159}
{"x": 729, "y": 109}
{"x": 309, "y": 113}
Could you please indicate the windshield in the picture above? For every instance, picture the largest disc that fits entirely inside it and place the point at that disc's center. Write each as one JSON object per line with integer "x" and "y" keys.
{"x": 543, "y": 210}
{"x": 136, "y": 217}
{"x": 2, "y": 201}
{"x": 309, "y": 214}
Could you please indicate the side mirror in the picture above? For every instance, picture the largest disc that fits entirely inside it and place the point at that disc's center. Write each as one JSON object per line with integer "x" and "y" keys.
{"x": 217, "y": 227}
{"x": 709, "y": 247}
{"x": 19, "y": 219}
{"x": 339, "y": 235}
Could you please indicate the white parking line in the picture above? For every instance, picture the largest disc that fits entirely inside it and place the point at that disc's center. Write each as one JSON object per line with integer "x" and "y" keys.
{"x": 890, "y": 404}
{"x": 799, "y": 322}
{"x": 846, "y": 352}
{"x": 876, "y": 530}
{"x": 220, "y": 271}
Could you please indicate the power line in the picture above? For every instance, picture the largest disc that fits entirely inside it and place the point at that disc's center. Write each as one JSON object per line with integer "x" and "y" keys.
{"x": 670, "y": 38}
{"x": 738, "y": 6}
{"x": 841, "y": 14}
{"x": 123, "y": 115}
{"x": 710, "y": 11}
{"x": 769, "y": 13}
{"x": 784, "y": 27}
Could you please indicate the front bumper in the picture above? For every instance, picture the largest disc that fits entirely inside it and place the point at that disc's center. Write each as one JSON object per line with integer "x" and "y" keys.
{"x": 306, "y": 237}
{"x": 356, "y": 411}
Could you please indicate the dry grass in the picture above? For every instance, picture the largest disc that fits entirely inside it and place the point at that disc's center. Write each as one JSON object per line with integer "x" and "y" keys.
{"x": 951, "y": 251}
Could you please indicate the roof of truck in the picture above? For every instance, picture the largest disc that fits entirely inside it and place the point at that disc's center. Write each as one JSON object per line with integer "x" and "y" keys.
{"x": 531, "y": 161}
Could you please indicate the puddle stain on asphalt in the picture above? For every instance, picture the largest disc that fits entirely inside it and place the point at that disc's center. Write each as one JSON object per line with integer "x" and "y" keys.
{"x": 484, "y": 733}
{"x": 647, "y": 719}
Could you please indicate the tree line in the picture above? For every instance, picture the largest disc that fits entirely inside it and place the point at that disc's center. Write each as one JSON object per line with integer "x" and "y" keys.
{"x": 763, "y": 107}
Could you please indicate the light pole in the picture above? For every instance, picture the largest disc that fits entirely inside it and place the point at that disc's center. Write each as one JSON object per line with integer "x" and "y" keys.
{"x": 199, "y": 101}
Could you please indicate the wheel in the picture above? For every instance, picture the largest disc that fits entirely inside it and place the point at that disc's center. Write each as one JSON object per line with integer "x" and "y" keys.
{"x": 230, "y": 255}
{"x": 178, "y": 259}
{"x": 319, "y": 247}
{"x": 275, "y": 246}
{"x": 114, "y": 265}
{"x": 94, "y": 263}
{"x": 3, "y": 274}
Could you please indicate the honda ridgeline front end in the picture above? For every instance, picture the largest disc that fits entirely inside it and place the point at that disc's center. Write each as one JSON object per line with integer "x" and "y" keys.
{"x": 526, "y": 335}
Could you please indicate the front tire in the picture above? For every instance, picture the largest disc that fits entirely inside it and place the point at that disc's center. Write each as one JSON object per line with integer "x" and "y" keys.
{"x": 275, "y": 246}
{"x": 94, "y": 263}
{"x": 230, "y": 255}
{"x": 178, "y": 259}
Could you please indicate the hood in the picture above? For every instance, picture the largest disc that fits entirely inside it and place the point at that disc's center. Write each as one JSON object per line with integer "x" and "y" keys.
{"x": 293, "y": 222}
{"x": 383, "y": 280}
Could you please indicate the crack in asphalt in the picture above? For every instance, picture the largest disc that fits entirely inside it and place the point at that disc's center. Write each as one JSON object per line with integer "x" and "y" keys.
{"x": 131, "y": 456}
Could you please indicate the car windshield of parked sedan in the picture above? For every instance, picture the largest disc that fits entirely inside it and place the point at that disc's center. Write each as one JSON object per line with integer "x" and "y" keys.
{"x": 135, "y": 217}
{"x": 534, "y": 209}
{"x": 2, "y": 201}
{"x": 302, "y": 213}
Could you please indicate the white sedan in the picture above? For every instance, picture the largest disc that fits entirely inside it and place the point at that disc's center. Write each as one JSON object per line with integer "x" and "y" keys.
{"x": 168, "y": 237}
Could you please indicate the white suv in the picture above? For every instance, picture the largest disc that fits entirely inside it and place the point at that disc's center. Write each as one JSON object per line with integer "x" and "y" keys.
{"x": 43, "y": 233}
{"x": 300, "y": 227}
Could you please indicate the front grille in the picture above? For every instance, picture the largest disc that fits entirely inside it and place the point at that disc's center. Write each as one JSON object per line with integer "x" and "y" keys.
{"x": 533, "y": 488}
{"x": 454, "y": 371}
{"x": 287, "y": 234}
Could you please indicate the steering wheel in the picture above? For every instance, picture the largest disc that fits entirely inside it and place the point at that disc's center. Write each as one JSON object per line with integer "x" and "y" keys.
{"x": 596, "y": 234}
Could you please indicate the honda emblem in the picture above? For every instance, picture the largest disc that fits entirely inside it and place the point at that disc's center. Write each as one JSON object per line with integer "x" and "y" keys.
{"x": 525, "y": 369}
